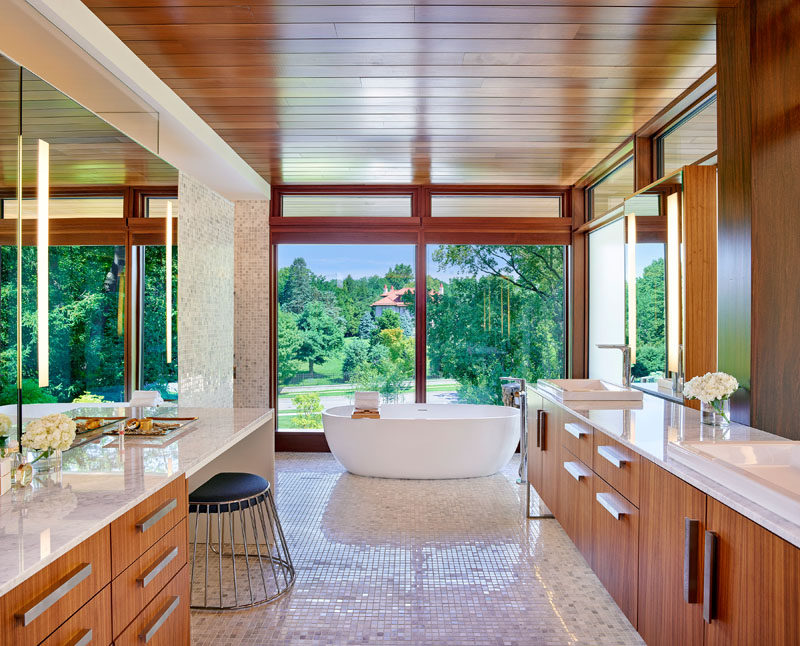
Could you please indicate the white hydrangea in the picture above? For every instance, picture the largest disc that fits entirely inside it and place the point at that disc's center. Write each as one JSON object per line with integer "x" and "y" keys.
{"x": 5, "y": 424}
{"x": 56, "y": 431}
{"x": 710, "y": 387}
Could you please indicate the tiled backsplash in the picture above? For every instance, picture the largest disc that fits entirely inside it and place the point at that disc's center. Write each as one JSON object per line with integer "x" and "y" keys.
{"x": 251, "y": 304}
{"x": 205, "y": 296}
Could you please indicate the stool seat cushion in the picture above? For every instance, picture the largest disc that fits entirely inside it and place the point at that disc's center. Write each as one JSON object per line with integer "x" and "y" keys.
{"x": 225, "y": 488}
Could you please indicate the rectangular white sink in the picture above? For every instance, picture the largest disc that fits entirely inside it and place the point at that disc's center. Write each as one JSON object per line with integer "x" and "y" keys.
{"x": 768, "y": 473}
{"x": 589, "y": 390}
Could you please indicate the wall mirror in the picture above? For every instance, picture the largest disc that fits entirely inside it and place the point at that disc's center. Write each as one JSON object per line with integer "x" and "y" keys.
{"x": 98, "y": 289}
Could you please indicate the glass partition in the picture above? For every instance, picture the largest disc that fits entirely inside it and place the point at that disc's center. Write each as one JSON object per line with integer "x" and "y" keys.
{"x": 352, "y": 206}
{"x": 612, "y": 189}
{"x": 159, "y": 361}
{"x": 488, "y": 206}
{"x": 689, "y": 140}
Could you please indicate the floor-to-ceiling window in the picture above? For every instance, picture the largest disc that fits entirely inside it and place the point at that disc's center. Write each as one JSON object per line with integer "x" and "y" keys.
{"x": 346, "y": 322}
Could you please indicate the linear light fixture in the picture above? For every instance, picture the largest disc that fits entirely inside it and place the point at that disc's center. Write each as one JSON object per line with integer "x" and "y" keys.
{"x": 42, "y": 262}
{"x": 631, "y": 279}
{"x": 168, "y": 281}
{"x": 673, "y": 283}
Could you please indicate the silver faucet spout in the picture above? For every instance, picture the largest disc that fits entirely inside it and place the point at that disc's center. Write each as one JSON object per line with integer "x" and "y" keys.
{"x": 626, "y": 359}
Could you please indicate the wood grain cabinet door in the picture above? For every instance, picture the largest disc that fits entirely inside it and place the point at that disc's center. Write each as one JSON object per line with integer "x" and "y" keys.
{"x": 575, "y": 504}
{"x": 535, "y": 416}
{"x": 671, "y": 528}
{"x": 753, "y": 595}
{"x": 551, "y": 452}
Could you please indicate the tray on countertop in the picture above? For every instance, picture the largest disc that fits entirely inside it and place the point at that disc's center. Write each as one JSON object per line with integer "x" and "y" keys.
{"x": 161, "y": 426}
{"x": 104, "y": 422}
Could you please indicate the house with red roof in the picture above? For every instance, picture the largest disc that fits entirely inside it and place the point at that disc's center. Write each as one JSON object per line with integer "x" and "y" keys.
{"x": 392, "y": 299}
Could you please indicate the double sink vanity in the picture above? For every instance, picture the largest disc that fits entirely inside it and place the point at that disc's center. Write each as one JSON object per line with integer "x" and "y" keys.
{"x": 694, "y": 530}
{"x": 99, "y": 553}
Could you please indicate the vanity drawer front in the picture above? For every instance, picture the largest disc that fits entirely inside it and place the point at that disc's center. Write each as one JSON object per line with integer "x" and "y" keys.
{"x": 165, "y": 620}
{"x": 137, "y": 530}
{"x": 39, "y": 605}
{"x": 617, "y": 465}
{"x": 615, "y": 546}
{"x": 577, "y": 437}
{"x": 575, "y": 490}
{"x": 91, "y": 625}
{"x": 132, "y": 590}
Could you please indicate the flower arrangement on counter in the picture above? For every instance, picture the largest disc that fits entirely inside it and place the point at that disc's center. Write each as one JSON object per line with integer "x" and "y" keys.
{"x": 51, "y": 433}
{"x": 713, "y": 389}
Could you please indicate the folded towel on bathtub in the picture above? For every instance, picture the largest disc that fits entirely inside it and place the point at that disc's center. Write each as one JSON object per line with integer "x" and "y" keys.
{"x": 367, "y": 400}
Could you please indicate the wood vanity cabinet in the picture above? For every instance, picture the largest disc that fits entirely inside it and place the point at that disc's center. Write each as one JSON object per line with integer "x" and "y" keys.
{"x": 544, "y": 450}
{"x": 753, "y": 595}
{"x": 671, "y": 528}
{"x": 575, "y": 492}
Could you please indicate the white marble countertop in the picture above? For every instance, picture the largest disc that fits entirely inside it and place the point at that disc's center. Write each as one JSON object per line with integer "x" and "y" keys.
{"x": 651, "y": 429}
{"x": 103, "y": 479}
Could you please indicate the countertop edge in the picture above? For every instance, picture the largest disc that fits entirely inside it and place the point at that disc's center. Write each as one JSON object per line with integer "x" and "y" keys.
{"x": 727, "y": 496}
{"x": 97, "y": 526}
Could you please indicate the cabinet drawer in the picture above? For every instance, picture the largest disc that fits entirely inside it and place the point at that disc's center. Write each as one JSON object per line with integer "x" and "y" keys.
{"x": 39, "y": 605}
{"x": 165, "y": 620}
{"x": 90, "y": 626}
{"x": 132, "y": 590}
{"x": 615, "y": 546}
{"x": 137, "y": 530}
{"x": 617, "y": 465}
{"x": 577, "y": 437}
{"x": 575, "y": 491}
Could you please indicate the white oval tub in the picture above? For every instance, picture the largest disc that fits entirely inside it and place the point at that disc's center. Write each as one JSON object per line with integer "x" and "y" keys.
{"x": 424, "y": 441}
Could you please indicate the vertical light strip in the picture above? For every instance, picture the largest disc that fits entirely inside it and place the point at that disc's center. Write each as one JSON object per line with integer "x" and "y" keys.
{"x": 673, "y": 283}
{"x": 631, "y": 276}
{"x": 42, "y": 263}
{"x": 168, "y": 281}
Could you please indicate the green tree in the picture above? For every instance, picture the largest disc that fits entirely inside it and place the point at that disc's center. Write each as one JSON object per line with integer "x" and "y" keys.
{"x": 401, "y": 275}
{"x": 356, "y": 353}
{"x": 297, "y": 290}
{"x": 367, "y": 325}
{"x": 289, "y": 339}
{"x": 389, "y": 319}
{"x": 321, "y": 335}
{"x": 651, "y": 351}
{"x": 309, "y": 411}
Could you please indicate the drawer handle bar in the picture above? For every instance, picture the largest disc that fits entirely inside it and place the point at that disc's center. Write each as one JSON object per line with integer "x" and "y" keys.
{"x": 148, "y": 521}
{"x": 46, "y": 600}
{"x": 612, "y": 455}
{"x": 146, "y": 577}
{"x": 83, "y": 638}
{"x": 159, "y": 621}
{"x": 607, "y": 501}
{"x": 576, "y": 430}
{"x": 575, "y": 470}
{"x": 709, "y": 577}
{"x": 691, "y": 538}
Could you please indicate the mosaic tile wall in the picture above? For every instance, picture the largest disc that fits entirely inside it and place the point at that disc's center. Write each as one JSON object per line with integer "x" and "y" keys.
{"x": 251, "y": 304}
{"x": 205, "y": 296}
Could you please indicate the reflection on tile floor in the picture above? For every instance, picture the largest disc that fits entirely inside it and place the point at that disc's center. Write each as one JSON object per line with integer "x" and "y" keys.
{"x": 445, "y": 563}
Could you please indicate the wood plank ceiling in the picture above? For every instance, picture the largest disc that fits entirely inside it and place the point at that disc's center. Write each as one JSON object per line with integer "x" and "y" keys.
{"x": 447, "y": 91}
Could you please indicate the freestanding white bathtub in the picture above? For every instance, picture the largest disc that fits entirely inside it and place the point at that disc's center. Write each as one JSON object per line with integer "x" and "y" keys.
{"x": 424, "y": 441}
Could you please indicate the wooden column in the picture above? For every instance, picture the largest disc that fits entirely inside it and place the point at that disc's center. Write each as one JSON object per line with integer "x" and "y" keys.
{"x": 578, "y": 288}
{"x": 759, "y": 149}
{"x": 700, "y": 245}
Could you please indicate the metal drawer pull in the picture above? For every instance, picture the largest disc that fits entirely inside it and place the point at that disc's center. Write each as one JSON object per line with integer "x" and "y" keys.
{"x": 576, "y": 430}
{"x": 612, "y": 455}
{"x": 154, "y": 570}
{"x": 607, "y": 501}
{"x": 148, "y": 521}
{"x": 159, "y": 621}
{"x": 576, "y": 470}
{"x": 691, "y": 536}
{"x": 45, "y": 601}
{"x": 709, "y": 577}
{"x": 84, "y": 638}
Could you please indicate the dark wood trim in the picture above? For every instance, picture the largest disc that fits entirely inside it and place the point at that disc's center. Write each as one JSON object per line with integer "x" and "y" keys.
{"x": 421, "y": 318}
{"x": 681, "y": 105}
{"x": 616, "y": 157}
{"x": 577, "y": 270}
{"x": 644, "y": 162}
{"x": 304, "y": 442}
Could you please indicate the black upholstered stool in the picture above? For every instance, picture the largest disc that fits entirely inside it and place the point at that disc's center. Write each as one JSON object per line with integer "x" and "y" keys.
{"x": 244, "y": 509}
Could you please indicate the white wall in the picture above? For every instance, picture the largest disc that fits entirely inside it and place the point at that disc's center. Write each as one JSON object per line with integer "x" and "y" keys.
{"x": 205, "y": 295}
{"x": 251, "y": 304}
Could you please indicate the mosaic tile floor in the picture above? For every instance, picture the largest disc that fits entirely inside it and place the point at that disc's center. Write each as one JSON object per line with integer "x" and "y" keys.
{"x": 445, "y": 563}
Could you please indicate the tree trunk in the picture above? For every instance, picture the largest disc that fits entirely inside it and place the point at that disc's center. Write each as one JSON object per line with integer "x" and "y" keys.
{"x": 311, "y": 367}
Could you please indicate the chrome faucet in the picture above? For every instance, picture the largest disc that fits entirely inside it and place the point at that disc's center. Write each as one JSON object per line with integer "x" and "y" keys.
{"x": 626, "y": 359}
{"x": 522, "y": 400}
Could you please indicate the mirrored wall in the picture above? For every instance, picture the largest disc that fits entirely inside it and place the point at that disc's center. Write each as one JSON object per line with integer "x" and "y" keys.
{"x": 97, "y": 313}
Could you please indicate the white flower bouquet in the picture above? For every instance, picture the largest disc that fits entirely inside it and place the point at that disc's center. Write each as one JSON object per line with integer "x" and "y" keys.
{"x": 50, "y": 433}
{"x": 5, "y": 424}
{"x": 713, "y": 389}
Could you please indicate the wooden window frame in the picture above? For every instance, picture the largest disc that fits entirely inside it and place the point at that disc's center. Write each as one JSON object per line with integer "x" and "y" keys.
{"x": 419, "y": 228}
{"x": 133, "y": 231}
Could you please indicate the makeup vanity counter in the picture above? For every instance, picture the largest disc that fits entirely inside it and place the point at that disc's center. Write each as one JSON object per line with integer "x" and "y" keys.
{"x": 117, "y": 511}
{"x": 687, "y": 559}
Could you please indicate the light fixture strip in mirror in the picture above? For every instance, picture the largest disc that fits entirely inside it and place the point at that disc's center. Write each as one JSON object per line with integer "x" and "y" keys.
{"x": 673, "y": 284}
{"x": 19, "y": 271}
{"x": 631, "y": 280}
{"x": 42, "y": 263}
{"x": 168, "y": 281}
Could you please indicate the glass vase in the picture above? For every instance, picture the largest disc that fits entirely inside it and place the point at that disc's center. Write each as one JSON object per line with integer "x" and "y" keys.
{"x": 48, "y": 461}
{"x": 716, "y": 413}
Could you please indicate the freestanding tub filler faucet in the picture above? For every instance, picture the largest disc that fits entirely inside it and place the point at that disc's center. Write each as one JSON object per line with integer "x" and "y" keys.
{"x": 626, "y": 359}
